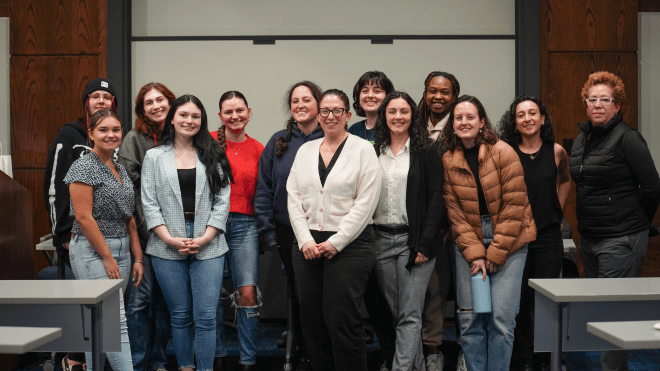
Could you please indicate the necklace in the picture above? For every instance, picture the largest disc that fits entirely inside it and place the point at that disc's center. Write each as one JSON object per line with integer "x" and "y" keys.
{"x": 534, "y": 155}
{"x": 236, "y": 150}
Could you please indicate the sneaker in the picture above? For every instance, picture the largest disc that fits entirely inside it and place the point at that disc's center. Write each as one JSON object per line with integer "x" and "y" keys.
{"x": 435, "y": 362}
{"x": 384, "y": 367}
{"x": 460, "y": 363}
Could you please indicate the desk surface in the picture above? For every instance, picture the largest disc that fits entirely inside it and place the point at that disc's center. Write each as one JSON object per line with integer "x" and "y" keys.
{"x": 569, "y": 245}
{"x": 56, "y": 291}
{"x": 19, "y": 340}
{"x": 45, "y": 245}
{"x": 598, "y": 289}
{"x": 628, "y": 334}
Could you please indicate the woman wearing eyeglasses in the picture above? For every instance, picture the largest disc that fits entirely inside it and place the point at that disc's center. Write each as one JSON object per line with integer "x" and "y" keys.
{"x": 333, "y": 190}
{"x": 618, "y": 189}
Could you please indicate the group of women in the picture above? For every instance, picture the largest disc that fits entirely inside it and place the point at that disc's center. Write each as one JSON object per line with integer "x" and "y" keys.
{"x": 363, "y": 213}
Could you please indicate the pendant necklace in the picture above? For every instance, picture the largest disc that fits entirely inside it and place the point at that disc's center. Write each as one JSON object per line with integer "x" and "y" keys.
{"x": 534, "y": 155}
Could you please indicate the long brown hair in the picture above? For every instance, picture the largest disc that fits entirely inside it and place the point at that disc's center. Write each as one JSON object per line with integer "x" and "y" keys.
{"x": 143, "y": 125}
{"x": 486, "y": 135}
{"x": 280, "y": 143}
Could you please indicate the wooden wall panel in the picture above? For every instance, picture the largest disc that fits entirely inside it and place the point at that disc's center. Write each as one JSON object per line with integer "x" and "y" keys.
{"x": 55, "y": 27}
{"x": 15, "y": 232}
{"x": 33, "y": 180}
{"x": 45, "y": 94}
{"x": 589, "y": 25}
{"x": 562, "y": 94}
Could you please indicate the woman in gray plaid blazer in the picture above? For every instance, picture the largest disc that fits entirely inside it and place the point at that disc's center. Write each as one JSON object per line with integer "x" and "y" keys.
{"x": 185, "y": 197}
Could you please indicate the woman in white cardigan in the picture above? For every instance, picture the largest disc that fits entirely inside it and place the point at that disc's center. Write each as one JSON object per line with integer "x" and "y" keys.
{"x": 333, "y": 190}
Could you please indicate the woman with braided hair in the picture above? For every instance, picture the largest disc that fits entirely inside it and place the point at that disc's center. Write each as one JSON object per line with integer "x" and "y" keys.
{"x": 270, "y": 200}
{"x": 440, "y": 91}
{"x": 243, "y": 153}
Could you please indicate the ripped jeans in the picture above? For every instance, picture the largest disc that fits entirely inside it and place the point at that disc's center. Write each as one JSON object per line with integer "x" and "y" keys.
{"x": 487, "y": 338}
{"x": 243, "y": 264}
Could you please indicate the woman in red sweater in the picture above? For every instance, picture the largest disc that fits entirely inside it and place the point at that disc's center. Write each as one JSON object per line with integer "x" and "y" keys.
{"x": 243, "y": 153}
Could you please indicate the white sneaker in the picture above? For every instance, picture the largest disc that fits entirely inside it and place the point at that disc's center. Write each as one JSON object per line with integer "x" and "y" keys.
{"x": 435, "y": 362}
{"x": 460, "y": 363}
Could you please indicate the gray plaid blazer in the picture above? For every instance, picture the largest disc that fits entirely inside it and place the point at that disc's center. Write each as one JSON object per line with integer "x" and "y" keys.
{"x": 161, "y": 201}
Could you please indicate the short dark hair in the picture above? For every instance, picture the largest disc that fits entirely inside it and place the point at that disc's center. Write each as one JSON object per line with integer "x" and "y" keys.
{"x": 377, "y": 77}
{"x": 511, "y": 135}
{"x": 486, "y": 135}
{"x": 418, "y": 136}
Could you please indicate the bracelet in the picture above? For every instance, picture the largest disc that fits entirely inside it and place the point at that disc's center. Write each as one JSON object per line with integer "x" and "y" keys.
{"x": 137, "y": 261}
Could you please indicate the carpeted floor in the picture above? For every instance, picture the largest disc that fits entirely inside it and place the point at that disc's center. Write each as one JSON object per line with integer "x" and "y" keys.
{"x": 271, "y": 358}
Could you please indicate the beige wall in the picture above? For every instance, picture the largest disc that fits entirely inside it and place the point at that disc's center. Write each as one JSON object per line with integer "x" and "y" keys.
{"x": 484, "y": 68}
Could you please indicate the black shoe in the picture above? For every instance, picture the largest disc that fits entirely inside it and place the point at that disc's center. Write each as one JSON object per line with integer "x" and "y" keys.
{"x": 219, "y": 364}
{"x": 247, "y": 367}
{"x": 303, "y": 364}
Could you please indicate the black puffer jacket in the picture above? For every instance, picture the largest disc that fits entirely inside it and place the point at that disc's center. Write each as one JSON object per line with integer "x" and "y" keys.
{"x": 618, "y": 188}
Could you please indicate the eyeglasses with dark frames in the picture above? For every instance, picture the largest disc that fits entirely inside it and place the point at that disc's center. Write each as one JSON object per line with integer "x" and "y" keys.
{"x": 336, "y": 112}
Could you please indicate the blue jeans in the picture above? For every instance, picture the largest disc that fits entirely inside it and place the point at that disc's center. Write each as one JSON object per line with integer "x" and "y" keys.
{"x": 87, "y": 264}
{"x": 404, "y": 292}
{"x": 243, "y": 263}
{"x": 148, "y": 322}
{"x": 487, "y": 338}
{"x": 191, "y": 288}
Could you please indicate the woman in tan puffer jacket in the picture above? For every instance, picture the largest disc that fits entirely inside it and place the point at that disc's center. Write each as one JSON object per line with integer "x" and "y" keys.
{"x": 491, "y": 225}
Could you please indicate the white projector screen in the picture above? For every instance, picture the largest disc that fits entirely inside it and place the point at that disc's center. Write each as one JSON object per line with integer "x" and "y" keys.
{"x": 484, "y": 68}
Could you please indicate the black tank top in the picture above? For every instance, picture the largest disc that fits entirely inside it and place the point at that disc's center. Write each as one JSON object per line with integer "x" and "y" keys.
{"x": 541, "y": 182}
{"x": 187, "y": 183}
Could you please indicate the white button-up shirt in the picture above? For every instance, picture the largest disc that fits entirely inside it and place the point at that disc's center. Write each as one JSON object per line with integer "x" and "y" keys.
{"x": 391, "y": 208}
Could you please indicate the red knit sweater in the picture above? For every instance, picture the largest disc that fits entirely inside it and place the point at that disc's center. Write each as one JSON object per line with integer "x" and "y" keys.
{"x": 244, "y": 161}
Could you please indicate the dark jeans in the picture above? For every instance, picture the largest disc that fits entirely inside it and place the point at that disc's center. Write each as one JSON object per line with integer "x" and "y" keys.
{"x": 148, "y": 321}
{"x": 544, "y": 260}
{"x": 331, "y": 293}
{"x": 285, "y": 239}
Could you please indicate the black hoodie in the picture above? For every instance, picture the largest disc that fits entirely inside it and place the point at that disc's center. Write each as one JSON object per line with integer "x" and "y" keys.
{"x": 69, "y": 145}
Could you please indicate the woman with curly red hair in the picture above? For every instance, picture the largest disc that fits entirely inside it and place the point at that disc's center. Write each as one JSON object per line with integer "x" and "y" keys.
{"x": 618, "y": 190}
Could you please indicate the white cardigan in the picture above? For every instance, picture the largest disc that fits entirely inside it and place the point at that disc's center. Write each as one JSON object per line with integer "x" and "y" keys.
{"x": 346, "y": 203}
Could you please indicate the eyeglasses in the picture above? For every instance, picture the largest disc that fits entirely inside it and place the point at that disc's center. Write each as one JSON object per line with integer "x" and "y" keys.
{"x": 604, "y": 100}
{"x": 337, "y": 112}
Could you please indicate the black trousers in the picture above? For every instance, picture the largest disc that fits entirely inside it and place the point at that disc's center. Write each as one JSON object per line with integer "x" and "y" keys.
{"x": 285, "y": 239}
{"x": 331, "y": 293}
{"x": 381, "y": 319}
{"x": 544, "y": 260}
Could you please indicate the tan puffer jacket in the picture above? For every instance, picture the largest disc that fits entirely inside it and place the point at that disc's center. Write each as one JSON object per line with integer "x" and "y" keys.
{"x": 503, "y": 183}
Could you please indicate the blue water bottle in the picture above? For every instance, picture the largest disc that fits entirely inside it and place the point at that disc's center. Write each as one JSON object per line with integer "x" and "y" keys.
{"x": 481, "y": 294}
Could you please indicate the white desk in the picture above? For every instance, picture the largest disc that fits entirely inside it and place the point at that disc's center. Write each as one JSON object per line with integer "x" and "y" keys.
{"x": 19, "y": 340}
{"x": 87, "y": 312}
{"x": 628, "y": 334}
{"x": 45, "y": 245}
{"x": 564, "y": 306}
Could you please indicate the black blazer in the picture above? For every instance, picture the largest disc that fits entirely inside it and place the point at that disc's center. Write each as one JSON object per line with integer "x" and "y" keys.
{"x": 424, "y": 203}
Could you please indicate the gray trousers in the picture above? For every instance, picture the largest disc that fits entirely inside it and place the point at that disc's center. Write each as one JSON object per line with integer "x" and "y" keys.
{"x": 615, "y": 257}
{"x": 404, "y": 292}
